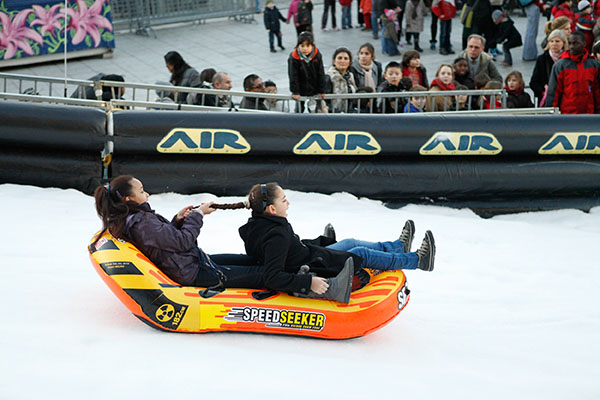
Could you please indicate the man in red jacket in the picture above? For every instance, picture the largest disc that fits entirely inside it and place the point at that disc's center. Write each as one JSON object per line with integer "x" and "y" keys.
{"x": 574, "y": 85}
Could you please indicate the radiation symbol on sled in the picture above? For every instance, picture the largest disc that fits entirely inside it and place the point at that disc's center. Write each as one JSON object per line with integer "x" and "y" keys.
{"x": 165, "y": 313}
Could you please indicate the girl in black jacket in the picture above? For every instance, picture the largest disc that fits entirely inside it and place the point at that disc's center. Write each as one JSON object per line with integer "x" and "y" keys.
{"x": 305, "y": 70}
{"x": 269, "y": 238}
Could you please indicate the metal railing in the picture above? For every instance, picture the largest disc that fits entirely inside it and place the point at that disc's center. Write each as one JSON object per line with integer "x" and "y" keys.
{"x": 150, "y": 96}
{"x": 141, "y": 15}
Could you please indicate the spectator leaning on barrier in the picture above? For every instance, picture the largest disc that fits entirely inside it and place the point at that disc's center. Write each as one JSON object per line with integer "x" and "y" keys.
{"x": 305, "y": 70}
{"x": 478, "y": 60}
{"x": 416, "y": 104}
{"x": 181, "y": 74}
{"x": 272, "y": 104}
{"x": 443, "y": 81}
{"x": 367, "y": 71}
{"x": 253, "y": 83}
{"x": 393, "y": 83}
{"x": 557, "y": 43}
{"x": 413, "y": 69}
{"x": 515, "y": 86}
{"x": 574, "y": 85}
{"x": 461, "y": 73}
{"x": 340, "y": 80}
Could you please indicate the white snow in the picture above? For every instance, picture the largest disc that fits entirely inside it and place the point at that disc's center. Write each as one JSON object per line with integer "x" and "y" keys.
{"x": 510, "y": 312}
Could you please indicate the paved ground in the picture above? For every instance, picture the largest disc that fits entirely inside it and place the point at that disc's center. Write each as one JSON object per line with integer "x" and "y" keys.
{"x": 242, "y": 48}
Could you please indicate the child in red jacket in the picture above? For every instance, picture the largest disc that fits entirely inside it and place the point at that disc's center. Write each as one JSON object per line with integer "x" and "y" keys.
{"x": 346, "y": 14}
{"x": 585, "y": 23}
{"x": 445, "y": 10}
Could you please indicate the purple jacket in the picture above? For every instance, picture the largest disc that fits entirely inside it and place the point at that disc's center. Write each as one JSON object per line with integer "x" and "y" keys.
{"x": 170, "y": 246}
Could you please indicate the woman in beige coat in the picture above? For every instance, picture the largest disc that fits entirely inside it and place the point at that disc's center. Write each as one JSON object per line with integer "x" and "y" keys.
{"x": 415, "y": 13}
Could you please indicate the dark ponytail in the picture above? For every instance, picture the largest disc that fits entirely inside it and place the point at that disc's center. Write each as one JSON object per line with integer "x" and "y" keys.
{"x": 111, "y": 206}
{"x": 261, "y": 196}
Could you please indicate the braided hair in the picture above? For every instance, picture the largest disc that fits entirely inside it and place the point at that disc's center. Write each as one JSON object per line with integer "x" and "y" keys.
{"x": 111, "y": 206}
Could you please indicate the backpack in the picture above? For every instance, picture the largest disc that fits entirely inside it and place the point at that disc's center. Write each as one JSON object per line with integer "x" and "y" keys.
{"x": 303, "y": 17}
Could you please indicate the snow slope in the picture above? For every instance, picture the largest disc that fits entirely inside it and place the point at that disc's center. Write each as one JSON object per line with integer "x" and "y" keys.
{"x": 511, "y": 311}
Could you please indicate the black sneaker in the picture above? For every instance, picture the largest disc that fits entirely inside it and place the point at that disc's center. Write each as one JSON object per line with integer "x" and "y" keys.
{"x": 407, "y": 235}
{"x": 273, "y": 51}
{"x": 426, "y": 252}
{"x": 282, "y": 48}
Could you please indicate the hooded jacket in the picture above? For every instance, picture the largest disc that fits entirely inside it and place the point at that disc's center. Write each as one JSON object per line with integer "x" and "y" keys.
{"x": 272, "y": 242}
{"x": 306, "y": 78}
{"x": 574, "y": 84}
{"x": 171, "y": 246}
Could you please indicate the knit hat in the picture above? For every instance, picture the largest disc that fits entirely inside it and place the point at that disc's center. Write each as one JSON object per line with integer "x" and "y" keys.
{"x": 583, "y": 4}
{"x": 497, "y": 14}
{"x": 390, "y": 13}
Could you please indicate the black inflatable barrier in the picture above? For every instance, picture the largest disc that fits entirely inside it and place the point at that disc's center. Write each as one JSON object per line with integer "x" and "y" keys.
{"x": 51, "y": 146}
{"x": 487, "y": 162}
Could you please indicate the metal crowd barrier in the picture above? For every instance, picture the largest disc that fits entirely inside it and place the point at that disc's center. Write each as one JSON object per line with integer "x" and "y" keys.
{"x": 141, "y": 15}
{"x": 149, "y": 96}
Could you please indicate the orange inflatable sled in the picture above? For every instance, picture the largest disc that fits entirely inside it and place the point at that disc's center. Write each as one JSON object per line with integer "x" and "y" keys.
{"x": 163, "y": 304}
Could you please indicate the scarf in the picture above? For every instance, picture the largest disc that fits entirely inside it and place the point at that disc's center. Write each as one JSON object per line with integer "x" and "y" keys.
{"x": 415, "y": 4}
{"x": 555, "y": 57}
{"x": 307, "y": 59}
{"x": 442, "y": 85}
{"x": 516, "y": 92}
{"x": 368, "y": 70}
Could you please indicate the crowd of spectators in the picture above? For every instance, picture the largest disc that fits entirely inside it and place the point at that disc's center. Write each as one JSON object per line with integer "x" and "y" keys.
{"x": 566, "y": 72}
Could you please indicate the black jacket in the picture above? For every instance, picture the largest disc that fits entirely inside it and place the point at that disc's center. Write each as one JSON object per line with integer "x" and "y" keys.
{"x": 506, "y": 31}
{"x": 272, "y": 240}
{"x": 520, "y": 100}
{"x": 306, "y": 79}
{"x": 271, "y": 18}
{"x": 387, "y": 105}
{"x": 541, "y": 74}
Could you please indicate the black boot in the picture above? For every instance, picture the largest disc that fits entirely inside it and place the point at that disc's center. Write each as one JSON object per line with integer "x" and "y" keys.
{"x": 340, "y": 286}
{"x": 407, "y": 235}
{"x": 329, "y": 232}
{"x": 426, "y": 252}
{"x": 417, "y": 48}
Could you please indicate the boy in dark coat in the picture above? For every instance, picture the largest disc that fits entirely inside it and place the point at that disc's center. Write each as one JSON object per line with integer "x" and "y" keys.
{"x": 393, "y": 83}
{"x": 305, "y": 70}
{"x": 507, "y": 33}
{"x": 271, "y": 18}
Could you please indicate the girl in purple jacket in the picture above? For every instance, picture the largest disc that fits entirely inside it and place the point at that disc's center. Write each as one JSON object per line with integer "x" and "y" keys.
{"x": 171, "y": 245}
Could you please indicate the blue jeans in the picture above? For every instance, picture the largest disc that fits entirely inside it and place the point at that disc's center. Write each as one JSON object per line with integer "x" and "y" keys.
{"x": 346, "y": 17}
{"x": 272, "y": 36}
{"x": 445, "y": 30}
{"x": 389, "y": 46}
{"x": 374, "y": 26}
{"x": 379, "y": 255}
{"x": 529, "y": 43}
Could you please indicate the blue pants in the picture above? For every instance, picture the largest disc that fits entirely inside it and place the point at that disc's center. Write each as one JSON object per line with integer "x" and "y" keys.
{"x": 346, "y": 17}
{"x": 389, "y": 47}
{"x": 374, "y": 25}
{"x": 272, "y": 36}
{"x": 445, "y": 30}
{"x": 379, "y": 255}
{"x": 529, "y": 43}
